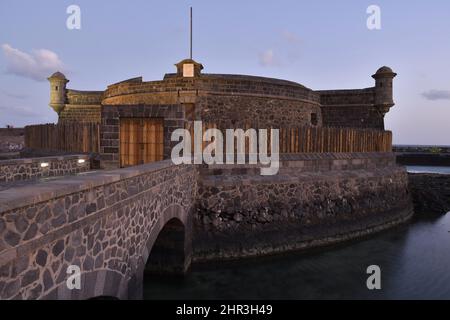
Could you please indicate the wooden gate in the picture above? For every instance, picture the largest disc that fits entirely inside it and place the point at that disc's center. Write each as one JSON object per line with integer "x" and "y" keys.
{"x": 141, "y": 141}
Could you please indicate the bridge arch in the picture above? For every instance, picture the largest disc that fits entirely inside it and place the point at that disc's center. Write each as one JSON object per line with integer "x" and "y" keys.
{"x": 169, "y": 247}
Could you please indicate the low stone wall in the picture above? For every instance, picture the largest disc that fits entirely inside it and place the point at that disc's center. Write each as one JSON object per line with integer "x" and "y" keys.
{"x": 430, "y": 193}
{"x": 11, "y": 139}
{"x": 34, "y": 168}
{"x": 311, "y": 202}
{"x": 104, "y": 222}
{"x": 423, "y": 159}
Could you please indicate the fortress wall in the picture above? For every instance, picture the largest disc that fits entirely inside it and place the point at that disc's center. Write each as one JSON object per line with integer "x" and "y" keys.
{"x": 227, "y": 100}
{"x": 173, "y": 115}
{"x": 82, "y": 106}
{"x": 225, "y": 84}
{"x": 350, "y": 108}
{"x": 76, "y": 97}
{"x": 81, "y": 113}
{"x": 229, "y": 111}
{"x": 244, "y": 214}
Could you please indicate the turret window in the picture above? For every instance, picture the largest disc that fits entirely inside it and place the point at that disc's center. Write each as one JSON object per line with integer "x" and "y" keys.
{"x": 56, "y": 88}
{"x": 314, "y": 119}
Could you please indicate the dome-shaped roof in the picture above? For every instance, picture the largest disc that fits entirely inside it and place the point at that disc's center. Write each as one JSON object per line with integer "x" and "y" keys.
{"x": 58, "y": 75}
{"x": 385, "y": 70}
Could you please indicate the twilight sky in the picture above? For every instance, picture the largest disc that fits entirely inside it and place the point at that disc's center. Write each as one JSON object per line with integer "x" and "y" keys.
{"x": 322, "y": 44}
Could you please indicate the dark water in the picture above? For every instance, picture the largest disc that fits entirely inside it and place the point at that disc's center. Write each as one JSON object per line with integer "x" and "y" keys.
{"x": 428, "y": 169}
{"x": 414, "y": 261}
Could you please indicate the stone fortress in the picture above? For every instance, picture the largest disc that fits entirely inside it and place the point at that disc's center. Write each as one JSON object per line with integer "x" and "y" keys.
{"x": 226, "y": 100}
{"x": 338, "y": 180}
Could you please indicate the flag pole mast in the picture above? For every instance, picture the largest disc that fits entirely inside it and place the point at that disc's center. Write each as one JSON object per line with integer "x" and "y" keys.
{"x": 191, "y": 36}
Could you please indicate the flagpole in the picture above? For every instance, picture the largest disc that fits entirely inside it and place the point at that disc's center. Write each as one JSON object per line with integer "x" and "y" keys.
{"x": 191, "y": 36}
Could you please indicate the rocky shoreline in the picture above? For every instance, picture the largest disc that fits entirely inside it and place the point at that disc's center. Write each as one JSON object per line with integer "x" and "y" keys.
{"x": 430, "y": 193}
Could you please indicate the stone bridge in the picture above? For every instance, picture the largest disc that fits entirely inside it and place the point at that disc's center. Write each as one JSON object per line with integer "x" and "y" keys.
{"x": 106, "y": 223}
{"x": 157, "y": 218}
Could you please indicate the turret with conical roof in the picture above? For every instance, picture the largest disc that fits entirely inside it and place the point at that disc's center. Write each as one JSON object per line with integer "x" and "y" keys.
{"x": 58, "y": 82}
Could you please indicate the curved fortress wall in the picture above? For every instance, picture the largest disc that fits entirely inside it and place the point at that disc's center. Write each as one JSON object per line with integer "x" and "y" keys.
{"x": 227, "y": 100}
{"x": 315, "y": 200}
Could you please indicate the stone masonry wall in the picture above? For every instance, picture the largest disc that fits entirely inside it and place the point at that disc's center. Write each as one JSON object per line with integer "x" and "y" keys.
{"x": 173, "y": 116}
{"x": 243, "y": 214}
{"x": 430, "y": 193}
{"x": 28, "y": 169}
{"x": 350, "y": 108}
{"x": 105, "y": 223}
{"x": 237, "y": 111}
{"x": 81, "y": 113}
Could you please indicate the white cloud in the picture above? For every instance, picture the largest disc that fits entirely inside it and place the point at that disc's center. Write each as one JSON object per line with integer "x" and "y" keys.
{"x": 38, "y": 65}
{"x": 19, "y": 96}
{"x": 437, "y": 95}
{"x": 19, "y": 111}
{"x": 291, "y": 37}
{"x": 267, "y": 59}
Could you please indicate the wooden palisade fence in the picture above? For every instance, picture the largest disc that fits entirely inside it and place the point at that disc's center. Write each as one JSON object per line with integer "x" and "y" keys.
{"x": 69, "y": 137}
{"x": 322, "y": 139}
{"x": 85, "y": 137}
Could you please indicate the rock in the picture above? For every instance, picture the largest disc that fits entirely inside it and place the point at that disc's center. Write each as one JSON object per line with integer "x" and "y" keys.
{"x": 41, "y": 258}
{"x": 58, "y": 248}
{"x": 216, "y": 222}
{"x": 12, "y": 238}
{"x": 30, "y": 277}
{"x": 21, "y": 224}
{"x": 31, "y": 232}
{"x": 238, "y": 217}
{"x": 206, "y": 220}
{"x": 48, "y": 280}
{"x": 430, "y": 193}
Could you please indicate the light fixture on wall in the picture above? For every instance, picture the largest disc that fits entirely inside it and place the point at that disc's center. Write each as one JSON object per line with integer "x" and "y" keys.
{"x": 81, "y": 161}
{"x": 44, "y": 164}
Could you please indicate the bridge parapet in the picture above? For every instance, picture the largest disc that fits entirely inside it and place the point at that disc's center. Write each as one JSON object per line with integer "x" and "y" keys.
{"x": 105, "y": 223}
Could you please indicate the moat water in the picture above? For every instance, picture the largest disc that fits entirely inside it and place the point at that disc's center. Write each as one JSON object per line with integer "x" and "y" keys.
{"x": 414, "y": 261}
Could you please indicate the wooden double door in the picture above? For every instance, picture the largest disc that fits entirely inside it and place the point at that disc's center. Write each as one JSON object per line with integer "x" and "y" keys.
{"x": 141, "y": 141}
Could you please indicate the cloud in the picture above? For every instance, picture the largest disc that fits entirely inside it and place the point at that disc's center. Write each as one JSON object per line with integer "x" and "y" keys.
{"x": 19, "y": 111}
{"x": 38, "y": 65}
{"x": 267, "y": 59}
{"x": 19, "y": 96}
{"x": 291, "y": 37}
{"x": 437, "y": 95}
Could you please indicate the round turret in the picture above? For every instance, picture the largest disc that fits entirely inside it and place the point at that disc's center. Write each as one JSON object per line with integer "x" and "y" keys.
{"x": 384, "y": 78}
{"x": 58, "y": 82}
